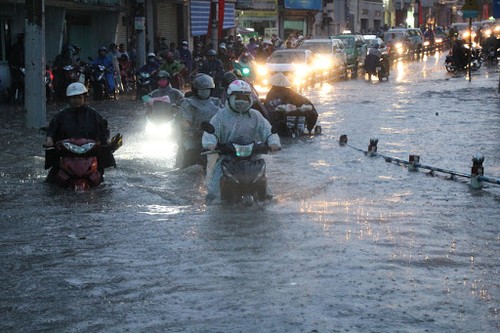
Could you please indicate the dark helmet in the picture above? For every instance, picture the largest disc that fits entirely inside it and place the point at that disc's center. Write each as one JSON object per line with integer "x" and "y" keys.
{"x": 228, "y": 78}
{"x": 211, "y": 53}
{"x": 164, "y": 74}
{"x": 102, "y": 48}
{"x": 203, "y": 81}
{"x": 238, "y": 74}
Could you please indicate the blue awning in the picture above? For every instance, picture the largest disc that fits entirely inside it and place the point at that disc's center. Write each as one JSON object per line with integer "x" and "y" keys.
{"x": 200, "y": 13}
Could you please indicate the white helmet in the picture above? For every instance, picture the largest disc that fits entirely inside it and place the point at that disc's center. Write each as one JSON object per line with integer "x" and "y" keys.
{"x": 151, "y": 54}
{"x": 239, "y": 96}
{"x": 76, "y": 88}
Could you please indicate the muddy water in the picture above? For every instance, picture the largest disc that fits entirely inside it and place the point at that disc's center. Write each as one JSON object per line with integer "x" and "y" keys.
{"x": 349, "y": 243}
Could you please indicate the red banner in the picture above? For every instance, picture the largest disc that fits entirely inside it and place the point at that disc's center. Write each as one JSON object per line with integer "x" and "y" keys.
{"x": 222, "y": 4}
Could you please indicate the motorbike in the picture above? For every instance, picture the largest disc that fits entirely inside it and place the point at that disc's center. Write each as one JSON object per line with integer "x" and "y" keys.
{"x": 451, "y": 65}
{"x": 79, "y": 163}
{"x": 98, "y": 82}
{"x": 144, "y": 83}
{"x": 243, "y": 172}
{"x": 291, "y": 120}
{"x": 160, "y": 114}
{"x": 492, "y": 56}
{"x": 377, "y": 66}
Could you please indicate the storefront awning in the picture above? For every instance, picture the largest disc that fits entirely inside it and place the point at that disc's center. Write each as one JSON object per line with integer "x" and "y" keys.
{"x": 200, "y": 13}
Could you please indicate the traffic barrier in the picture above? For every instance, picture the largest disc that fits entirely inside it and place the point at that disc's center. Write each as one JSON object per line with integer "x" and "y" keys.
{"x": 413, "y": 163}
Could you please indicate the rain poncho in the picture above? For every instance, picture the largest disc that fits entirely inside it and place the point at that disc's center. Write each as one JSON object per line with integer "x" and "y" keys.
{"x": 229, "y": 126}
{"x": 193, "y": 111}
{"x": 107, "y": 62}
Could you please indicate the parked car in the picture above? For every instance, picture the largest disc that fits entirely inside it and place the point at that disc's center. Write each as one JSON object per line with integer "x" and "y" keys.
{"x": 355, "y": 47}
{"x": 329, "y": 56}
{"x": 296, "y": 64}
{"x": 373, "y": 41}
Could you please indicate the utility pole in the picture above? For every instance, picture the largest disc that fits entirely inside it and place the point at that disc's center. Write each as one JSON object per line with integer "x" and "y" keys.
{"x": 281, "y": 19}
{"x": 215, "y": 23}
{"x": 34, "y": 83}
{"x": 140, "y": 26}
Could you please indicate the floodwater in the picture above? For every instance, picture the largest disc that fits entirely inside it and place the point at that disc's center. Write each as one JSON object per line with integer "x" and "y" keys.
{"x": 350, "y": 243}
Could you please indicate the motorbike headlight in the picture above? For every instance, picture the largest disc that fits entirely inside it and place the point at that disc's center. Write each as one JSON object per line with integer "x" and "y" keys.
{"x": 243, "y": 150}
{"x": 399, "y": 46}
{"x": 439, "y": 40}
{"x": 76, "y": 149}
{"x": 426, "y": 43}
{"x": 245, "y": 71}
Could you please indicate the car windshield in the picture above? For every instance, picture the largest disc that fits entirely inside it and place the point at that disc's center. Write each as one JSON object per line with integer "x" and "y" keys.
{"x": 317, "y": 47}
{"x": 391, "y": 36}
{"x": 372, "y": 42}
{"x": 348, "y": 41}
{"x": 287, "y": 57}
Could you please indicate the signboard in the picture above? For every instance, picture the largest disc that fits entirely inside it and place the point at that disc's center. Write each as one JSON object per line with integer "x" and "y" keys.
{"x": 244, "y": 4}
{"x": 140, "y": 23}
{"x": 304, "y": 4}
{"x": 469, "y": 13}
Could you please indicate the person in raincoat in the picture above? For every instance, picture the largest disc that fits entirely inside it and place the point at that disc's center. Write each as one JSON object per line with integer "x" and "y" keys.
{"x": 236, "y": 119}
{"x": 193, "y": 111}
{"x": 105, "y": 60}
{"x": 281, "y": 93}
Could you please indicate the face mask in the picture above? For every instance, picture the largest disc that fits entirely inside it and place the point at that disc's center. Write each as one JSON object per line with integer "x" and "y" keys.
{"x": 151, "y": 60}
{"x": 240, "y": 105}
{"x": 162, "y": 83}
{"x": 204, "y": 93}
{"x": 185, "y": 47}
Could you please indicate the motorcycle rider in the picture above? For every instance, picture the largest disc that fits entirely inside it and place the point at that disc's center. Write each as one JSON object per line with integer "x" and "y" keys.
{"x": 281, "y": 93}
{"x": 194, "y": 110}
{"x": 236, "y": 119}
{"x": 213, "y": 67}
{"x": 62, "y": 60}
{"x": 165, "y": 88}
{"x": 105, "y": 60}
{"x": 460, "y": 54}
{"x": 186, "y": 59}
{"x": 174, "y": 68}
{"x": 78, "y": 120}
{"x": 151, "y": 66}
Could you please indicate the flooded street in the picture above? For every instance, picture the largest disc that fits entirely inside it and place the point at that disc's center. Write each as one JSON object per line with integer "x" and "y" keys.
{"x": 350, "y": 243}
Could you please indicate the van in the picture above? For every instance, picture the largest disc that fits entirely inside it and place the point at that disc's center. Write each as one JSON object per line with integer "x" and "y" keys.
{"x": 329, "y": 53}
{"x": 356, "y": 48}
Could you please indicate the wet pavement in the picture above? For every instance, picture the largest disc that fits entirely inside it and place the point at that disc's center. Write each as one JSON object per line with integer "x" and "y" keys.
{"x": 350, "y": 243}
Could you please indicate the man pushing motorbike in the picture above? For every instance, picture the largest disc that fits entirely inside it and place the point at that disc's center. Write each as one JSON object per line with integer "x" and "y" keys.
{"x": 281, "y": 93}
{"x": 78, "y": 120}
{"x": 237, "y": 119}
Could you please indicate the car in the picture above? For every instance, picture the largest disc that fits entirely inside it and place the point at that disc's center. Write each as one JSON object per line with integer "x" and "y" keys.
{"x": 296, "y": 64}
{"x": 355, "y": 47}
{"x": 405, "y": 41}
{"x": 330, "y": 56}
{"x": 397, "y": 43}
{"x": 374, "y": 41}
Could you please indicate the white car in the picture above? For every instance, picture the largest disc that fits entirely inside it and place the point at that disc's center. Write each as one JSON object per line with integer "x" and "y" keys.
{"x": 297, "y": 65}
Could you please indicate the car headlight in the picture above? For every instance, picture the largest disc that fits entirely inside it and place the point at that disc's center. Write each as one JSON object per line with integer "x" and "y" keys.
{"x": 300, "y": 71}
{"x": 426, "y": 43}
{"x": 262, "y": 70}
{"x": 439, "y": 40}
{"x": 399, "y": 46}
{"x": 322, "y": 62}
